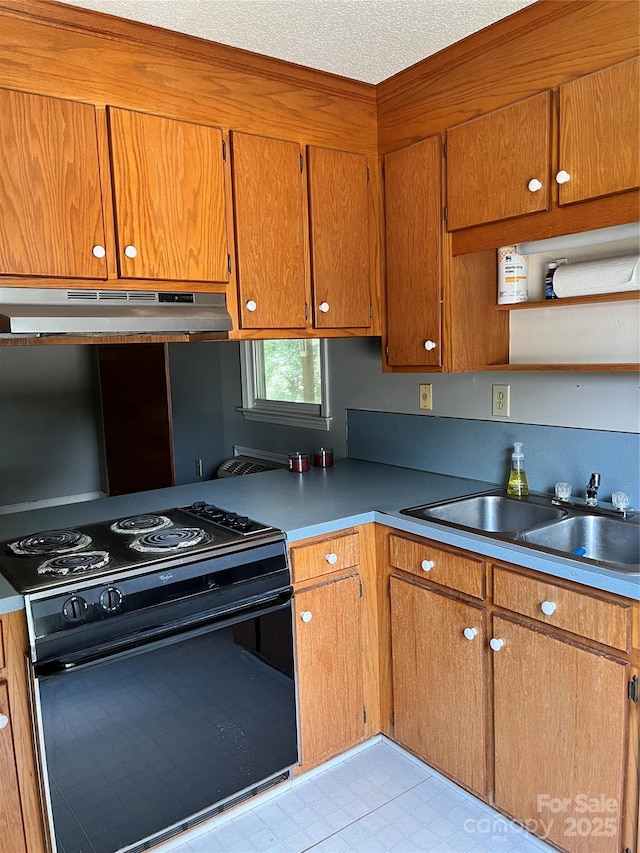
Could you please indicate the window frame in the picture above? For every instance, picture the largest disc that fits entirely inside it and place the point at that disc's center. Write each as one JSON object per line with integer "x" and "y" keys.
{"x": 256, "y": 408}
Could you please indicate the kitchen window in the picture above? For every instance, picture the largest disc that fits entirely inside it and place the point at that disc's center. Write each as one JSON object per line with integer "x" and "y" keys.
{"x": 286, "y": 382}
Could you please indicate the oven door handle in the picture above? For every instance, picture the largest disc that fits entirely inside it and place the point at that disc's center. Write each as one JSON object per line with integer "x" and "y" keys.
{"x": 153, "y": 637}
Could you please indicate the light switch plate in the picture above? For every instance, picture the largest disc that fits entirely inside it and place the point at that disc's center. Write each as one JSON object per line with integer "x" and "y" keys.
{"x": 426, "y": 397}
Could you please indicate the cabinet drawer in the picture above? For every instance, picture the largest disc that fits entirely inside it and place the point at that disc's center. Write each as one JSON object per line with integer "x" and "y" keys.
{"x": 581, "y": 613}
{"x": 328, "y": 555}
{"x": 455, "y": 571}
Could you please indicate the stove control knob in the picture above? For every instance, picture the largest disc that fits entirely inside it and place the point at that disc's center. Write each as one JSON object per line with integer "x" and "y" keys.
{"x": 74, "y": 609}
{"x": 110, "y": 599}
{"x": 243, "y": 522}
{"x": 197, "y": 506}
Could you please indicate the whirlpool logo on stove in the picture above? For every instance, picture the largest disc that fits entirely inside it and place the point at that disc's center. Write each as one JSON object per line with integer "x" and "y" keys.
{"x": 165, "y": 578}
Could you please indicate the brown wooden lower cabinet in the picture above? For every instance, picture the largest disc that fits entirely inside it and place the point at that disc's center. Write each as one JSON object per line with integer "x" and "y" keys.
{"x": 439, "y": 681}
{"x": 21, "y": 827}
{"x": 560, "y": 722}
{"x": 11, "y": 826}
{"x": 329, "y": 653}
{"x": 561, "y": 738}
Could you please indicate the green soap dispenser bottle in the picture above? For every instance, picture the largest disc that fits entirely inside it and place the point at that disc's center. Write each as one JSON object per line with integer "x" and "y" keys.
{"x": 518, "y": 486}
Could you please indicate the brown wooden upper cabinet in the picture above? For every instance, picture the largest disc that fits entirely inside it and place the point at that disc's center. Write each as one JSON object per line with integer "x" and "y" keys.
{"x": 282, "y": 271}
{"x": 413, "y": 247}
{"x": 169, "y": 198}
{"x": 52, "y": 220}
{"x": 339, "y": 238}
{"x": 500, "y": 165}
{"x": 600, "y": 133}
{"x": 268, "y": 195}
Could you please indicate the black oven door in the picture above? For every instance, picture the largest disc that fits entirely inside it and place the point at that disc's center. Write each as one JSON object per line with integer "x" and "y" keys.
{"x": 143, "y": 744}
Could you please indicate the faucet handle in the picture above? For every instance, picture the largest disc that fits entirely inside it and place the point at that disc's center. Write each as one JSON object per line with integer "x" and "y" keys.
{"x": 621, "y": 501}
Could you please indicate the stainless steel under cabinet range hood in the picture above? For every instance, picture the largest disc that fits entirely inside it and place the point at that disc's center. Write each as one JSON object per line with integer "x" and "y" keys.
{"x": 40, "y": 311}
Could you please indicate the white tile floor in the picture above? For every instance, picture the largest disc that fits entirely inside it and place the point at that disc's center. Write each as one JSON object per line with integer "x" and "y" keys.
{"x": 377, "y": 799}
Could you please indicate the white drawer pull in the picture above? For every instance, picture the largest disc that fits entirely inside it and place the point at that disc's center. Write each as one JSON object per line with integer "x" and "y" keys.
{"x": 324, "y": 307}
{"x": 470, "y": 633}
{"x": 99, "y": 251}
{"x": 332, "y": 559}
{"x": 306, "y": 616}
{"x": 534, "y": 185}
{"x": 429, "y": 345}
{"x": 251, "y": 305}
{"x": 4, "y": 721}
{"x": 548, "y": 607}
{"x": 427, "y": 565}
{"x": 496, "y": 644}
{"x": 563, "y": 177}
{"x": 130, "y": 251}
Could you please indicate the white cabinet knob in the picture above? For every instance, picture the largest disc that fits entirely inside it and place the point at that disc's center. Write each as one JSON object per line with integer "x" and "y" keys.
{"x": 534, "y": 185}
{"x": 99, "y": 251}
{"x": 4, "y": 721}
{"x": 496, "y": 644}
{"x": 332, "y": 559}
{"x": 563, "y": 177}
{"x": 251, "y": 305}
{"x": 324, "y": 307}
{"x": 306, "y": 616}
{"x": 548, "y": 607}
{"x": 427, "y": 565}
{"x": 470, "y": 633}
{"x": 130, "y": 251}
{"x": 429, "y": 345}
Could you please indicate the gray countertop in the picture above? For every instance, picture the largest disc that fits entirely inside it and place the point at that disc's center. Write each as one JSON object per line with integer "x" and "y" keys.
{"x": 317, "y": 502}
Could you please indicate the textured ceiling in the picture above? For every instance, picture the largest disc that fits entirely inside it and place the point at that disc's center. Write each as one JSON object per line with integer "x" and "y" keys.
{"x": 366, "y": 40}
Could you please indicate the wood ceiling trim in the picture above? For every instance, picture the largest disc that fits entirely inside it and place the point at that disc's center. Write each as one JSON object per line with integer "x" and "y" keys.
{"x": 99, "y": 24}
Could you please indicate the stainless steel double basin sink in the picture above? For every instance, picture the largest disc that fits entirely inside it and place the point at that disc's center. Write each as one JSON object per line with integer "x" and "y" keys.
{"x": 582, "y": 533}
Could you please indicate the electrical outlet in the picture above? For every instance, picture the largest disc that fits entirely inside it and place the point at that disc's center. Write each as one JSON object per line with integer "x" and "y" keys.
{"x": 426, "y": 397}
{"x": 500, "y": 399}
{"x": 198, "y": 467}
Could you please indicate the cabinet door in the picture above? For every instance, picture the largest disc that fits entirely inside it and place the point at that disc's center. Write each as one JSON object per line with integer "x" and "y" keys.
{"x": 11, "y": 828}
{"x": 329, "y": 664}
{"x": 560, "y": 717}
{"x": 492, "y": 159}
{"x": 439, "y": 681}
{"x": 270, "y": 251}
{"x": 413, "y": 244}
{"x": 49, "y": 188}
{"x": 169, "y": 197}
{"x": 600, "y": 132}
{"x": 339, "y": 225}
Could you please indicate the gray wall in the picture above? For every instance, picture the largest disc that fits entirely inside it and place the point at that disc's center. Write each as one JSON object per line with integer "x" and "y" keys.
{"x": 196, "y": 395}
{"x": 50, "y": 431}
{"x": 607, "y": 401}
{"x": 49, "y": 423}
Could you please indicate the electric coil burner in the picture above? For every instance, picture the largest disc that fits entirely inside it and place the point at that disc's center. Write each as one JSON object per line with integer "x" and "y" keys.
{"x": 50, "y": 542}
{"x": 140, "y": 524}
{"x": 74, "y": 564}
{"x": 172, "y": 539}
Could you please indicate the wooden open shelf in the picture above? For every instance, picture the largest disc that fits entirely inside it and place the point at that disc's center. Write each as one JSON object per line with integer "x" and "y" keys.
{"x": 578, "y": 367}
{"x": 625, "y": 296}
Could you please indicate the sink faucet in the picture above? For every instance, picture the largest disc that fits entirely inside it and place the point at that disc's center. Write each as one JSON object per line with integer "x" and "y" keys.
{"x": 591, "y": 496}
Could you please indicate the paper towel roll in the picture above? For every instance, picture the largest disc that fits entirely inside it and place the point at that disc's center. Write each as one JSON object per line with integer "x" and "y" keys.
{"x": 607, "y": 275}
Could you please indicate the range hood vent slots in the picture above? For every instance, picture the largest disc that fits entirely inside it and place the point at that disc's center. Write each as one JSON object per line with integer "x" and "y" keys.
{"x": 52, "y": 311}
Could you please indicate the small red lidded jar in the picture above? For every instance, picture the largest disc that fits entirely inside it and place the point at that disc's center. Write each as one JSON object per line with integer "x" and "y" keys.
{"x": 323, "y": 457}
{"x": 298, "y": 462}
